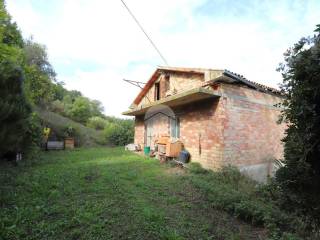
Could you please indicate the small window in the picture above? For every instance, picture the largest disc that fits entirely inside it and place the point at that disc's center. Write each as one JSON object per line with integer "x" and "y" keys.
{"x": 175, "y": 127}
{"x": 157, "y": 91}
{"x": 167, "y": 83}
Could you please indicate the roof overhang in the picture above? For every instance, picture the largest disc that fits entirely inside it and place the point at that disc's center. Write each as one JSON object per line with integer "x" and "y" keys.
{"x": 161, "y": 70}
{"x": 178, "y": 99}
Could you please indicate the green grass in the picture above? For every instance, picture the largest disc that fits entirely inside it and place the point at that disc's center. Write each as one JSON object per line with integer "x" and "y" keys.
{"x": 107, "y": 193}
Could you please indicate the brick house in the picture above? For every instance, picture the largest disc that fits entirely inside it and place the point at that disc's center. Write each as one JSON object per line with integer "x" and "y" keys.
{"x": 221, "y": 117}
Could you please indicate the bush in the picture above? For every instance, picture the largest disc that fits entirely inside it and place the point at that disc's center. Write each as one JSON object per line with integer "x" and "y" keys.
{"x": 120, "y": 133}
{"x": 97, "y": 123}
{"x": 70, "y": 131}
{"x": 33, "y": 138}
{"x": 299, "y": 178}
{"x": 196, "y": 168}
{"x": 14, "y": 109}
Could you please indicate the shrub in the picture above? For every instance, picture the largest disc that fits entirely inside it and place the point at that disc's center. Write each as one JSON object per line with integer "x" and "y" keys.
{"x": 97, "y": 123}
{"x": 196, "y": 168}
{"x": 70, "y": 131}
{"x": 14, "y": 109}
{"x": 57, "y": 106}
{"x": 299, "y": 179}
{"x": 120, "y": 133}
{"x": 33, "y": 139}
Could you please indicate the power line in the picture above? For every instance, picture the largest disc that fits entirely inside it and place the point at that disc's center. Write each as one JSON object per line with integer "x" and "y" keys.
{"x": 140, "y": 26}
{"x": 135, "y": 83}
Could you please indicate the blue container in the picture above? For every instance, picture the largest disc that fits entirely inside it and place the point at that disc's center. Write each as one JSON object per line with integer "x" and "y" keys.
{"x": 184, "y": 156}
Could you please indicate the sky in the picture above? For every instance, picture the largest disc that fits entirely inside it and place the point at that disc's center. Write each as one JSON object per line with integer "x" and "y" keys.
{"x": 94, "y": 44}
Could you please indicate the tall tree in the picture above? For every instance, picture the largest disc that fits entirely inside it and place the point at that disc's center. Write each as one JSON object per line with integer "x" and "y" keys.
{"x": 36, "y": 55}
{"x": 14, "y": 110}
{"x": 299, "y": 179}
{"x": 40, "y": 75}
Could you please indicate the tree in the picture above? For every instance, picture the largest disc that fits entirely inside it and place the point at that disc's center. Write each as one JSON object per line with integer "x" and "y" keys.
{"x": 10, "y": 35}
{"x": 299, "y": 179}
{"x": 36, "y": 55}
{"x": 40, "y": 76}
{"x": 97, "y": 123}
{"x": 58, "y": 91}
{"x": 80, "y": 110}
{"x": 38, "y": 86}
{"x": 14, "y": 109}
{"x": 96, "y": 108}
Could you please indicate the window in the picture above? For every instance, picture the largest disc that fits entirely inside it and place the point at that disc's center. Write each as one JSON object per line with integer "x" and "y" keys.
{"x": 157, "y": 91}
{"x": 167, "y": 83}
{"x": 175, "y": 127}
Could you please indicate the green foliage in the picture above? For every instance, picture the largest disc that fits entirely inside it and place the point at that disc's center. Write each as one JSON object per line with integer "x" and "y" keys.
{"x": 196, "y": 168}
{"x": 36, "y": 55}
{"x": 80, "y": 110}
{"x": 119, "y": 132}
{"x": 34, "y": 132}
{"x": 43, "y": 90}
{"x": 58, "y": 106}
{"x": 96, "y": 108}
{"x": 9, "y": 32}
{"x": 97, "y": 123}
{"x": 27, "y": 78}
{"x": 33, "y": 138}
{"x": 38, "y": 86}
{"x": 14, "y": 109}
{"x": 69, "y": 131}
{"x": 299, "y": 179}
{"x": 84, "y": 136}
{"x": 58, "y": 91}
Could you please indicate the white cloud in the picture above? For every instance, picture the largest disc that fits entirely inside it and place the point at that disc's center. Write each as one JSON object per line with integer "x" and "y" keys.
{"x": 103, "y": 33}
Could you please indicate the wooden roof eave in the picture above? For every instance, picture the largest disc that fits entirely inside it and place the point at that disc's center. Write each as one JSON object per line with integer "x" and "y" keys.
{"x": 182, "y": 98}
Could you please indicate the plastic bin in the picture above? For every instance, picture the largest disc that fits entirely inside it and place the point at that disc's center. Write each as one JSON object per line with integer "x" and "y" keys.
{"x": 146, "y": 150}
{"x": 184, "y": 156}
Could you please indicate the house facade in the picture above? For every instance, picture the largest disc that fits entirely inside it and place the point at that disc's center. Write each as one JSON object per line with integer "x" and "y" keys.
{"x": 220, "y": 117}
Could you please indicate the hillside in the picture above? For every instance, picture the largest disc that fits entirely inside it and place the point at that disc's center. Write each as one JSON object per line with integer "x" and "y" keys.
{"x": 85, "y": 136}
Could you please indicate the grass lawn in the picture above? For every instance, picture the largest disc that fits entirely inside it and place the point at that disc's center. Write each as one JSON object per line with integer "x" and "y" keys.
{"x": 107, "y": 193}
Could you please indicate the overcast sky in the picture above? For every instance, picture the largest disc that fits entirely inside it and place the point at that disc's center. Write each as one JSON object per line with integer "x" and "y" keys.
{"x": 94, "y": 44}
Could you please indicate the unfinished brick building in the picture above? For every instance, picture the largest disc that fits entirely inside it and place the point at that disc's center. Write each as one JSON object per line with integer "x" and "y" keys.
{"x": 221, "y": 118}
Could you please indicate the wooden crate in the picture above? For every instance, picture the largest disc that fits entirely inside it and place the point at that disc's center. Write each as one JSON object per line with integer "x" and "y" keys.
{"x": 173, "y": 149}
{"x": 162, "y": 148}
{"x": 69, "y": 143}
{"x": 163, "y": 140}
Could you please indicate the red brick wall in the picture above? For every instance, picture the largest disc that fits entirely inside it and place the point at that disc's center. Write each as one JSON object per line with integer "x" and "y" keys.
{"x": 251, "y": 133}
{"x": 201, "y": 131}
{"x": 139, "y": 130}
{"x": 239, "y": 128}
